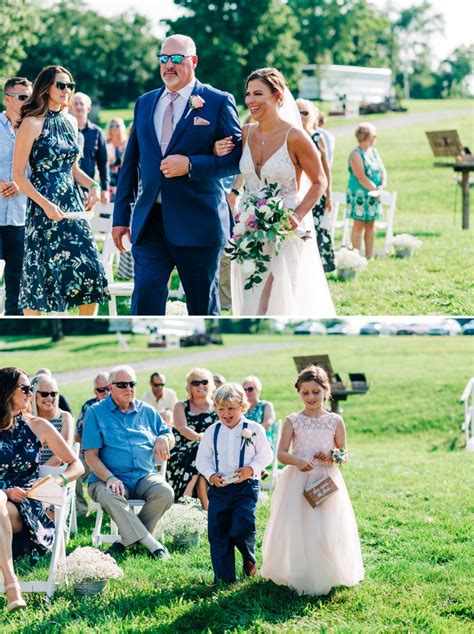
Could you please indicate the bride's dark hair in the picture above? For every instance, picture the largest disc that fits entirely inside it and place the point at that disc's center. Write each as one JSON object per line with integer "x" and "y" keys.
{"x": 271, "y": 77}
{"x": 9, "y": 378}
{"x": 37, "y": 104}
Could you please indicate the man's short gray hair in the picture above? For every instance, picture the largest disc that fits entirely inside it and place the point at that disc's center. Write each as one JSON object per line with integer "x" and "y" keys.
{"x": 83, "y": 96}
{"x": 187, "y": 43}
{"x": 101, "y": 376}
{"x": 121, "y": 368}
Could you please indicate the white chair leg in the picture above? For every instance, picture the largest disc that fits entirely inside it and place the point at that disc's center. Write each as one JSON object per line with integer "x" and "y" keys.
{"x": 98, "y": 526}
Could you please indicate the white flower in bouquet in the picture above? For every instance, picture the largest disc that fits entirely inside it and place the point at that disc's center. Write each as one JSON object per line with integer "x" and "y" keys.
{"x": 249, "y": 267}
{"x": 88, "y": 564}
{"x": 266, "y": 211}
{"x": 406, "y": 241}
{"x": 184, "y": 519}
{"x": 350, "y": 259}
{"x": 176, "y": 308}
{"x": 240, "y": 227}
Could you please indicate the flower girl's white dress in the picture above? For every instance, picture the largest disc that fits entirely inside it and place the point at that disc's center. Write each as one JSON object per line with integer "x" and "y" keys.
{"x": 311, "y": 549}
{"x": 299, "y": 286}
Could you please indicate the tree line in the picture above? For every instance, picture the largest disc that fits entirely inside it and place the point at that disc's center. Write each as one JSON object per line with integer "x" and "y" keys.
{"x": 114, "y": 59}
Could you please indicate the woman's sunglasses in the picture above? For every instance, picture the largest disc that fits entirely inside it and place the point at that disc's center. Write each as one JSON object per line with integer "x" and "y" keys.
{"x": 19, "y": 97}
{"x": 46, "y": 394}
{"x": 101, "y": 390}
{"x": 61, "y": 85}
{"x": 26, "y": 389}
{"x": 304, "y": 113}
{"x": 249, "y": 389}
{"x": 176, "y": 59}
{"x": 198, "y": 383}
{"x": 123, "y": 384}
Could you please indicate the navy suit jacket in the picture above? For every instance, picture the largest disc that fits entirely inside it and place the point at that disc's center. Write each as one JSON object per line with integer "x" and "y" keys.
{"x": 194, "y": 208}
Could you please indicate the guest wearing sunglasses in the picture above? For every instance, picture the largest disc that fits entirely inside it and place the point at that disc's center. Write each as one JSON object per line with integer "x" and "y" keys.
{"x": 180, "y": 214}
{"x": 45, "y": 405}
{"x": 162, "y": 398}
{"x": 123, "y": 438}
{"x": 259, "y": 411}
{"x": 61, "y": 267}
{"x": 191, "y": 419}
{"x": 25, "y": 529}
{"x": 16, "y": 91}
{"x": 101, "y": 390}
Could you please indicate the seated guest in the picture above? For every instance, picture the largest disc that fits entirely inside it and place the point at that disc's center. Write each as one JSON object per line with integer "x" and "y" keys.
{"x": 25, "y": 529}
{"x": 122, "y": 439}
{"x": 162, "y": 398}
{"x": 233, "y": 448}
{"x": 45, "y": 404}
{"x": 259, "y": 411}
{"x": 101, "y": 390}
{"x": 191, "y": 418}
{"x": 219, "y": 380}
{"x": 63, "y": 402}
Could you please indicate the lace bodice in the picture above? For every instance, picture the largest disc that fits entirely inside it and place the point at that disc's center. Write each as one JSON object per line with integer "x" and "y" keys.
{"x": 277, "y": 169}
{"x": 311, "y": 435}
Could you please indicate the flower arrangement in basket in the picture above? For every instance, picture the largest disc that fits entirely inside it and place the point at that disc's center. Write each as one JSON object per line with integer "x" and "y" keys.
{"x": 176, "y": 307}
{"x": 264, "y": 222}
{"x": 349, "y": 262}
{"x": 185, "y": 522}
{"x": 88, "y": 569}
{"x": 404, "y": 245}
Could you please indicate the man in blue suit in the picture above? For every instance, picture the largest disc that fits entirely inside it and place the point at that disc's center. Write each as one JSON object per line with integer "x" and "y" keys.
{"x": 179, "y": 216}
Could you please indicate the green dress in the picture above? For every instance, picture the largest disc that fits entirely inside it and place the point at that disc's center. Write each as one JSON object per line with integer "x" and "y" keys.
{"x": 361, "y": 206}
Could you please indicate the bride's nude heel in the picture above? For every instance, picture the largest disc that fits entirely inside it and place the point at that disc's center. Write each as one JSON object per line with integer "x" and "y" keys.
{"x": 17, "y": 604}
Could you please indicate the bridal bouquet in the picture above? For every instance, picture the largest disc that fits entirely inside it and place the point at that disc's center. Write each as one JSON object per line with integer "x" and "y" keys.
{"x": 263, "y": 220}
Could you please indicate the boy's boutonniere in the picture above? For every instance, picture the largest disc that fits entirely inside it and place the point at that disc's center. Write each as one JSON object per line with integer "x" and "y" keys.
{"x": 247, "y": 437}
{"x": 195, "y": 103}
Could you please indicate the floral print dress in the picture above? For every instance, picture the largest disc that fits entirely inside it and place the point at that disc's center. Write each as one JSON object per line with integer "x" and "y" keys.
{"x": 361, "y": 206}
{"x": 61, "y": 267}
{"x": 19, "y": 462}
{"x": 182, "y": 462}
{"x": 323, "y": 236}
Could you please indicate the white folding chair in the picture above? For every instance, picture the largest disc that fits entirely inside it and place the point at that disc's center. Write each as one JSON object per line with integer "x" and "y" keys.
{"x": 110, "y": 538}
{"x": 117, "y": 289}
{"x": 269, "y": 483}
{"x": 101, "y": 223}
{"x": 58, "y": 553}
{"x": 339, "y": 206}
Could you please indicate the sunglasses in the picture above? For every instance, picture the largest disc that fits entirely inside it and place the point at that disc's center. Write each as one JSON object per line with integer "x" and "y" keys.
{"x": 22, "y": 97}
{"x": 46, "y": 394}
{"x": 114, "y": 125}
{"x": 249, "y": 389}
{"x": 61, "y": 85}
{"x": 123, "y": 384}
{"x": 175, "y": 59}
{"x": 101, "y": 390}
{"x": 26, "y": 389}
{"x": 304, "y": 113}
{"x": 198, "y": 383}
{"x": 158, "y": 384}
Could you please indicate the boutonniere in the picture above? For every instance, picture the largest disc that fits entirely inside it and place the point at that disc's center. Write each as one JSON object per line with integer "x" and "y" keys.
{"x": 195, "y": 103}
{"x": 247, "y": 437}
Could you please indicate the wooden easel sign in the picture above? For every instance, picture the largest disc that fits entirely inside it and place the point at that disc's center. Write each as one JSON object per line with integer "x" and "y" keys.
{"x": 445, "y": 143}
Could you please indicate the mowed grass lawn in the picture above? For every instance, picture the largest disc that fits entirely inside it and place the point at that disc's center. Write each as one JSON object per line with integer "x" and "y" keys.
{"x": 409, "y": 479}
{"x": 437, "y": 280}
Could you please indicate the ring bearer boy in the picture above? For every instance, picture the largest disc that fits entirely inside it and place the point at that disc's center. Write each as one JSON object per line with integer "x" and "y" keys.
{"x": 231, "y": 455}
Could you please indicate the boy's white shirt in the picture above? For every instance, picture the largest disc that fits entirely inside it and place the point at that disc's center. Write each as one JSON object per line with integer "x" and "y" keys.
{"x": 229, "y": 442}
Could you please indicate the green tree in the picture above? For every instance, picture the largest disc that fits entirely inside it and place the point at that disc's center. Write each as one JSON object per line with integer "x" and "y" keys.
{"x": 234, "y": 38}
{"x": 454, "y": 71}
{"x": 19, "y": 29}
{"x": 112, "y": 59}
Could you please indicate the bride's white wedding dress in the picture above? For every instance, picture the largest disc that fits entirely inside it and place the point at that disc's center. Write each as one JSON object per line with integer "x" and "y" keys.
{"x": 298, "y": 284}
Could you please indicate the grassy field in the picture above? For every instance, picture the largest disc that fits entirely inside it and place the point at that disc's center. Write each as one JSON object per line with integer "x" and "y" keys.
{"x": 436, "y": 280}
{"x": 410, "y": 484}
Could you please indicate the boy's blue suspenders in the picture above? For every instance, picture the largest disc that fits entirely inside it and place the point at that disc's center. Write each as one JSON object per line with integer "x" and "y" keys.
{"x": 242, "y": 449}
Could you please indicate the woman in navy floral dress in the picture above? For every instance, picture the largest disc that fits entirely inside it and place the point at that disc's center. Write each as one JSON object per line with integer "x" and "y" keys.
{"x": 61, "y": 267}
{"x": 25, "y": 529}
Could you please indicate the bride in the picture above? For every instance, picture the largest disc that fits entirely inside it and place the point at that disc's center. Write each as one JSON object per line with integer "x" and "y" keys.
{"x": 277, "y": 150}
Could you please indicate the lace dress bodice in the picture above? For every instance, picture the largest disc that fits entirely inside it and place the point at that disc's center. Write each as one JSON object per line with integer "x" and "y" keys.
{"x": 312, "y": 435}
{"x": 278, "y": 168}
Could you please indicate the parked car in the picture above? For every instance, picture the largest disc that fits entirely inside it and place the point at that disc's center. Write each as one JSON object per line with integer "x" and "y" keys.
{"x": 468, "y": 329}
{"x": 310, "y": 328}
{"x": 342, "y": 329}
{"x": 447, "y": 327}
{"x": 376, "y": 328}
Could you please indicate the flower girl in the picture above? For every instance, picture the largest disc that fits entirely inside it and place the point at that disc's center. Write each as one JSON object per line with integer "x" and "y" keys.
{"x": 312, "y": 548}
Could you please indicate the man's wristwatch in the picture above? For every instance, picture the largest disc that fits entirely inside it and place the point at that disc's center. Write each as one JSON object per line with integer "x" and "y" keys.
{"x": 190, "y": 167}
{"x": 235, "y": 191}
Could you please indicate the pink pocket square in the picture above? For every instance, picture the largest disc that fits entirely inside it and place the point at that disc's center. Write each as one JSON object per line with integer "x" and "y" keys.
{"x": 200, "y": 121}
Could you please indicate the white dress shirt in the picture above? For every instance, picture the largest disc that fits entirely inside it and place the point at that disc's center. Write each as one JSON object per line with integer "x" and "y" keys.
{"x": 178, "y": 106}
{"x": 258, "y": 454}
{"x": 167, "y": 401}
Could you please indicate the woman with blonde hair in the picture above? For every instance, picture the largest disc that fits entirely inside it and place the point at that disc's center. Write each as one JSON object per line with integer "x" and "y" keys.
{"x": 61, "y": 266}
{"x": 191, "y": 419}
{"x": 309, "y": 117}
{"x": 116, "y": 138}
{"x": 367, "y": 177}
